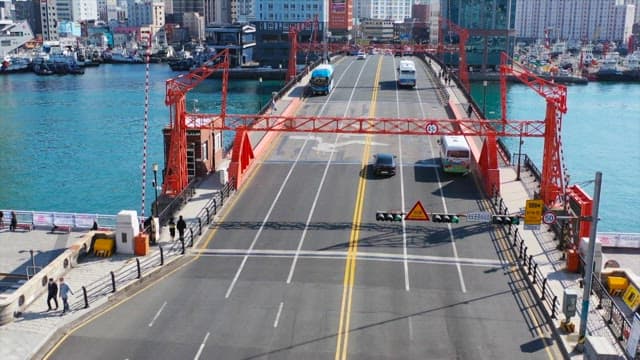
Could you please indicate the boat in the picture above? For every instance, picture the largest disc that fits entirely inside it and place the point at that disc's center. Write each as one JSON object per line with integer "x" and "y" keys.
{"x": 609, "y": 70}
{"x": 14, "y": 64}
{"x": 43, "y": 68}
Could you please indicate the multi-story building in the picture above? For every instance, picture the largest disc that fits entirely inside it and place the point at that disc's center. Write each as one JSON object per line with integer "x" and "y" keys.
{"x": 577, "y": 20}
{"x": 49, "y": 19}
{"x": 206, "y": 8}
{"x": 490, "y": 24}
{"x": 394, "y": 10}
{"x": 194, "y": 23}
{"x": 242, "y": 11}
{"x": 146, "y": 13}
{"x": 377, "y": 30}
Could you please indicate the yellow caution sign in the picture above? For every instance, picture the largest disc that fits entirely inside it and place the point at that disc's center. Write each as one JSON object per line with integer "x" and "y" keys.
{"x": 417, "y": 212}
{"x": 533, "y": 212}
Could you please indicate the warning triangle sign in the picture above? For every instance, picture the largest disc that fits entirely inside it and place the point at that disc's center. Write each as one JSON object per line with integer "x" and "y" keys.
{"x": 417, "y": 212}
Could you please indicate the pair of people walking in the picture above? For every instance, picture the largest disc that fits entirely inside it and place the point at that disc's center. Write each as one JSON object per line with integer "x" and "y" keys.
{"x": 52, "y": 294}
{"x": 181, "y": 225}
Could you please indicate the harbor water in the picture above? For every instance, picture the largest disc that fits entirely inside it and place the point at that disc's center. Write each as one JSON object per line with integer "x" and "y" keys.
{"x": 75, "y": 143}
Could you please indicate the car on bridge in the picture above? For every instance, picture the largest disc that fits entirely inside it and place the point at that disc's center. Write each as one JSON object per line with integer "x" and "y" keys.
{"x": 384, "y": 164}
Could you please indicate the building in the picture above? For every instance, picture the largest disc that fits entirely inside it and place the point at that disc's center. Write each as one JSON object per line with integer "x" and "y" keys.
{"x": 238, "y": 38}
{"x": 242, "y": 11}
{"x": 194, "y": 23}
{"x": 377, "y": 30}
{"x": 575, "y": 20}
{"x": 49, "y": 20}
{"x": 146, "y": 13}
{"x": 491, "y": 27}
{"x": 394, "y": 10}
{"x": 340, "y": 19}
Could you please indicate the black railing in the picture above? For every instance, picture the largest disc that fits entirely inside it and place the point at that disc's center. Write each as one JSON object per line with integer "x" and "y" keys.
{"x": 116, "y": 280}
{"x": 525, "y": 260}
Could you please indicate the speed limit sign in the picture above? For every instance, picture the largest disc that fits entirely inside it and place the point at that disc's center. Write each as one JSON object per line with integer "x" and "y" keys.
{"x": 549, "y": 218}
{"x": 431, "y": 128}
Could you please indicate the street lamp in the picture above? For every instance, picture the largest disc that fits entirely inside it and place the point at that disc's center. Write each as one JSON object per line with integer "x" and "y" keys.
{"x": 484, "y": 98}
{"x": 519, "y": 154}
{"x": 155, "y": 187}
{"x": 259, "y": 89}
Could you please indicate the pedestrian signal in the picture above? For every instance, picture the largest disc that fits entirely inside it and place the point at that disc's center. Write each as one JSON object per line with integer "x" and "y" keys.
{"x": 445, "y": 218}
{"x": 388, "y": 216}
{"x": 505, "y": 220}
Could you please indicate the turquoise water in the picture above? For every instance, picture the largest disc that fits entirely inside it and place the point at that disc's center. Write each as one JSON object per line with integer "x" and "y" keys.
{"x": 600, "y": 132}
{"x": 74, "y": 143}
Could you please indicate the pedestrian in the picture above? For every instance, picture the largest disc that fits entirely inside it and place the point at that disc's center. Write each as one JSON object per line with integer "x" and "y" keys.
{"x": 52, "y": 294}
{"x": 469, "y": 110}
{"x": 64, "y": 295}
{"x": 172, "y": 228}
{"x": 1, "y": 219}
{"x": 181, "y": 225}
{"x": 14, "y": 221}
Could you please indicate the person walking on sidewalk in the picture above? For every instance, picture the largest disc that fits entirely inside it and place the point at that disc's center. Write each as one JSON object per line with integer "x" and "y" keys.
{"x": 64, "y": 295}
{"x": 14, "y": 221}
{"x": 181, "y": 226}
{"x": 172, "y": 229}
{"x": 52, "y": 294}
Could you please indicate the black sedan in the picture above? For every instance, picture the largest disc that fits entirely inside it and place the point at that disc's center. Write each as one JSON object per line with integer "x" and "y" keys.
{"x": 384, "y": 164}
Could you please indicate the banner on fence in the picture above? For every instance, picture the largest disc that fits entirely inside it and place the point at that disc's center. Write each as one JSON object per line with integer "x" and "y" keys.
{"x": 63, "y": 219}
{"x": 42, "y": 219}
{"x": 85, "y": 221}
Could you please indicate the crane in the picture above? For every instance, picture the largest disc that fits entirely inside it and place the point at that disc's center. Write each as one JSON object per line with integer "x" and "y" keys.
{"x": 175, "y": 179}
{"x": 554, "y": 178}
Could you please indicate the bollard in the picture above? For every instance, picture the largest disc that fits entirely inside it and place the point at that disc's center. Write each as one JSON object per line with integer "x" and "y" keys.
{"x": 222, "y": 198}
{"x": 610, "y": 320}
{"x": 530, "y": 260}
{"x": 535, "y": 271}
{"x": 520, "y": 253}
{"x": 113, "y": 281}
{"x": 553, "y": 307}
{"x": 200, "y": 224}
{"x": 161, "y": 255}
{"x": 215, "y": 206}
{"x": 84, "y": 295}
{"x": 208, "y": 216}
{"x": 138, "y": 266}
{"x": 515, "y": 237}
{"x": 191, "y": 239}
{"x": 182, "y": 242}
{"x": 544, "y": 288}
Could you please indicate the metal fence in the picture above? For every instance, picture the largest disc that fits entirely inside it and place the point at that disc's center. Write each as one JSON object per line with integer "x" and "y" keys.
{"x": 116, "y": 280}
{"x": 526, "y": 261}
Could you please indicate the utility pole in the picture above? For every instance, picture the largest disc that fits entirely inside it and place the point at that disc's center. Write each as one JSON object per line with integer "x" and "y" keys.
{"x": 589, "y": 262}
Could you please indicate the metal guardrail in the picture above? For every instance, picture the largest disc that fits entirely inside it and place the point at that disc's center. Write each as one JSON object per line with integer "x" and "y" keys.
{"x": 117, "y": 279}
{"x": 526, "y": 261}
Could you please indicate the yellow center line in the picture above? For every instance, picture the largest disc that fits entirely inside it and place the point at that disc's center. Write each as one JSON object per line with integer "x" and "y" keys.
{"x": 350, "y": 266}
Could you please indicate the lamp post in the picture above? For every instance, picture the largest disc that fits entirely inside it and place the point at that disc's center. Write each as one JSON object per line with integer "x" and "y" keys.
{"x": 259, "y": 89}
{"x": 484, "y": 98}
{"x": 519, "y": 154}
{"x": 155, "y": 188}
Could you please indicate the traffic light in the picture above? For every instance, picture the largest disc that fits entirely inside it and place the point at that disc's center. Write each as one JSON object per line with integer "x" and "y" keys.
{"x": 445, "y": 218}
{"x": 505, "y": 219}
{"x": 388, "y": 216}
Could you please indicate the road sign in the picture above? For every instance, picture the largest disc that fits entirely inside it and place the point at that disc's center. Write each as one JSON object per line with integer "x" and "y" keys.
{"x": 417, "y": 212}
{"x": 480, "y": 216}
{"x": 533, "y": 212}
{"x": 431, "y": 128}
{"x": 549, "y": 218}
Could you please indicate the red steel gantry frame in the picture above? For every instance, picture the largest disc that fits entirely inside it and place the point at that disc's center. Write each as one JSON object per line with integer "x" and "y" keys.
{"x": 554, "y": 182}
{"x": 175, "y": 178}
{"x": 293, "y": 38}
{"x": 463, "y": 35}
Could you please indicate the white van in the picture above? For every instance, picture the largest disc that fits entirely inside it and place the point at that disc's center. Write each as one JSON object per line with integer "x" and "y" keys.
{"x": 407, "y": 73}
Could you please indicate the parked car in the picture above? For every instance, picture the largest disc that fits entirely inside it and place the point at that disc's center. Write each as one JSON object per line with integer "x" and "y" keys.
{"x": 384, "y": 164}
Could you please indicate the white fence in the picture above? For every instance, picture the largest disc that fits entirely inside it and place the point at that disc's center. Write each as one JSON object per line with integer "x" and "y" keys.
{"x": 49, "y": 219}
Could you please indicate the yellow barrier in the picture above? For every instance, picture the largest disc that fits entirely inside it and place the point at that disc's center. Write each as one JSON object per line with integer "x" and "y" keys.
{"x": 104, "y": 247}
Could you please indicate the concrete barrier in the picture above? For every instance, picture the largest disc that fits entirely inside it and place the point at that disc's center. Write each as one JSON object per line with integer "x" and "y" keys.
{"x": 12, "y": 305}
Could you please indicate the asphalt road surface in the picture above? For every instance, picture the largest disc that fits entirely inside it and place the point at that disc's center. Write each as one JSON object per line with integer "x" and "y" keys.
{"x": 299, "y": 268}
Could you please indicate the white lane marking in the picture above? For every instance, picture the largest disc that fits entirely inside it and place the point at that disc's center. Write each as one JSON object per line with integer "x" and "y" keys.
{"x": 410, "y": 329}
{"x": 264, "y": 221}
{"x": 444, "y": 204}
{"x": 404, "y": 223}
{"x": 375, "y": 256}
{"x": 317, "y": 196}
{"x": 157, "y": 314}
{"x": 201, "y": 347}
{"x": 275, "y": 323}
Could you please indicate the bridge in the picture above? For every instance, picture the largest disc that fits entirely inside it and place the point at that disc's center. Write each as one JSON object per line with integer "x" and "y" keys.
{"x": 297, "y": 266}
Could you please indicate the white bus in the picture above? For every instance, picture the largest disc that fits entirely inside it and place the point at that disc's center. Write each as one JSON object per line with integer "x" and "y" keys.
{"x": 407, "y": 73}
{"x": 455, "y": 154}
